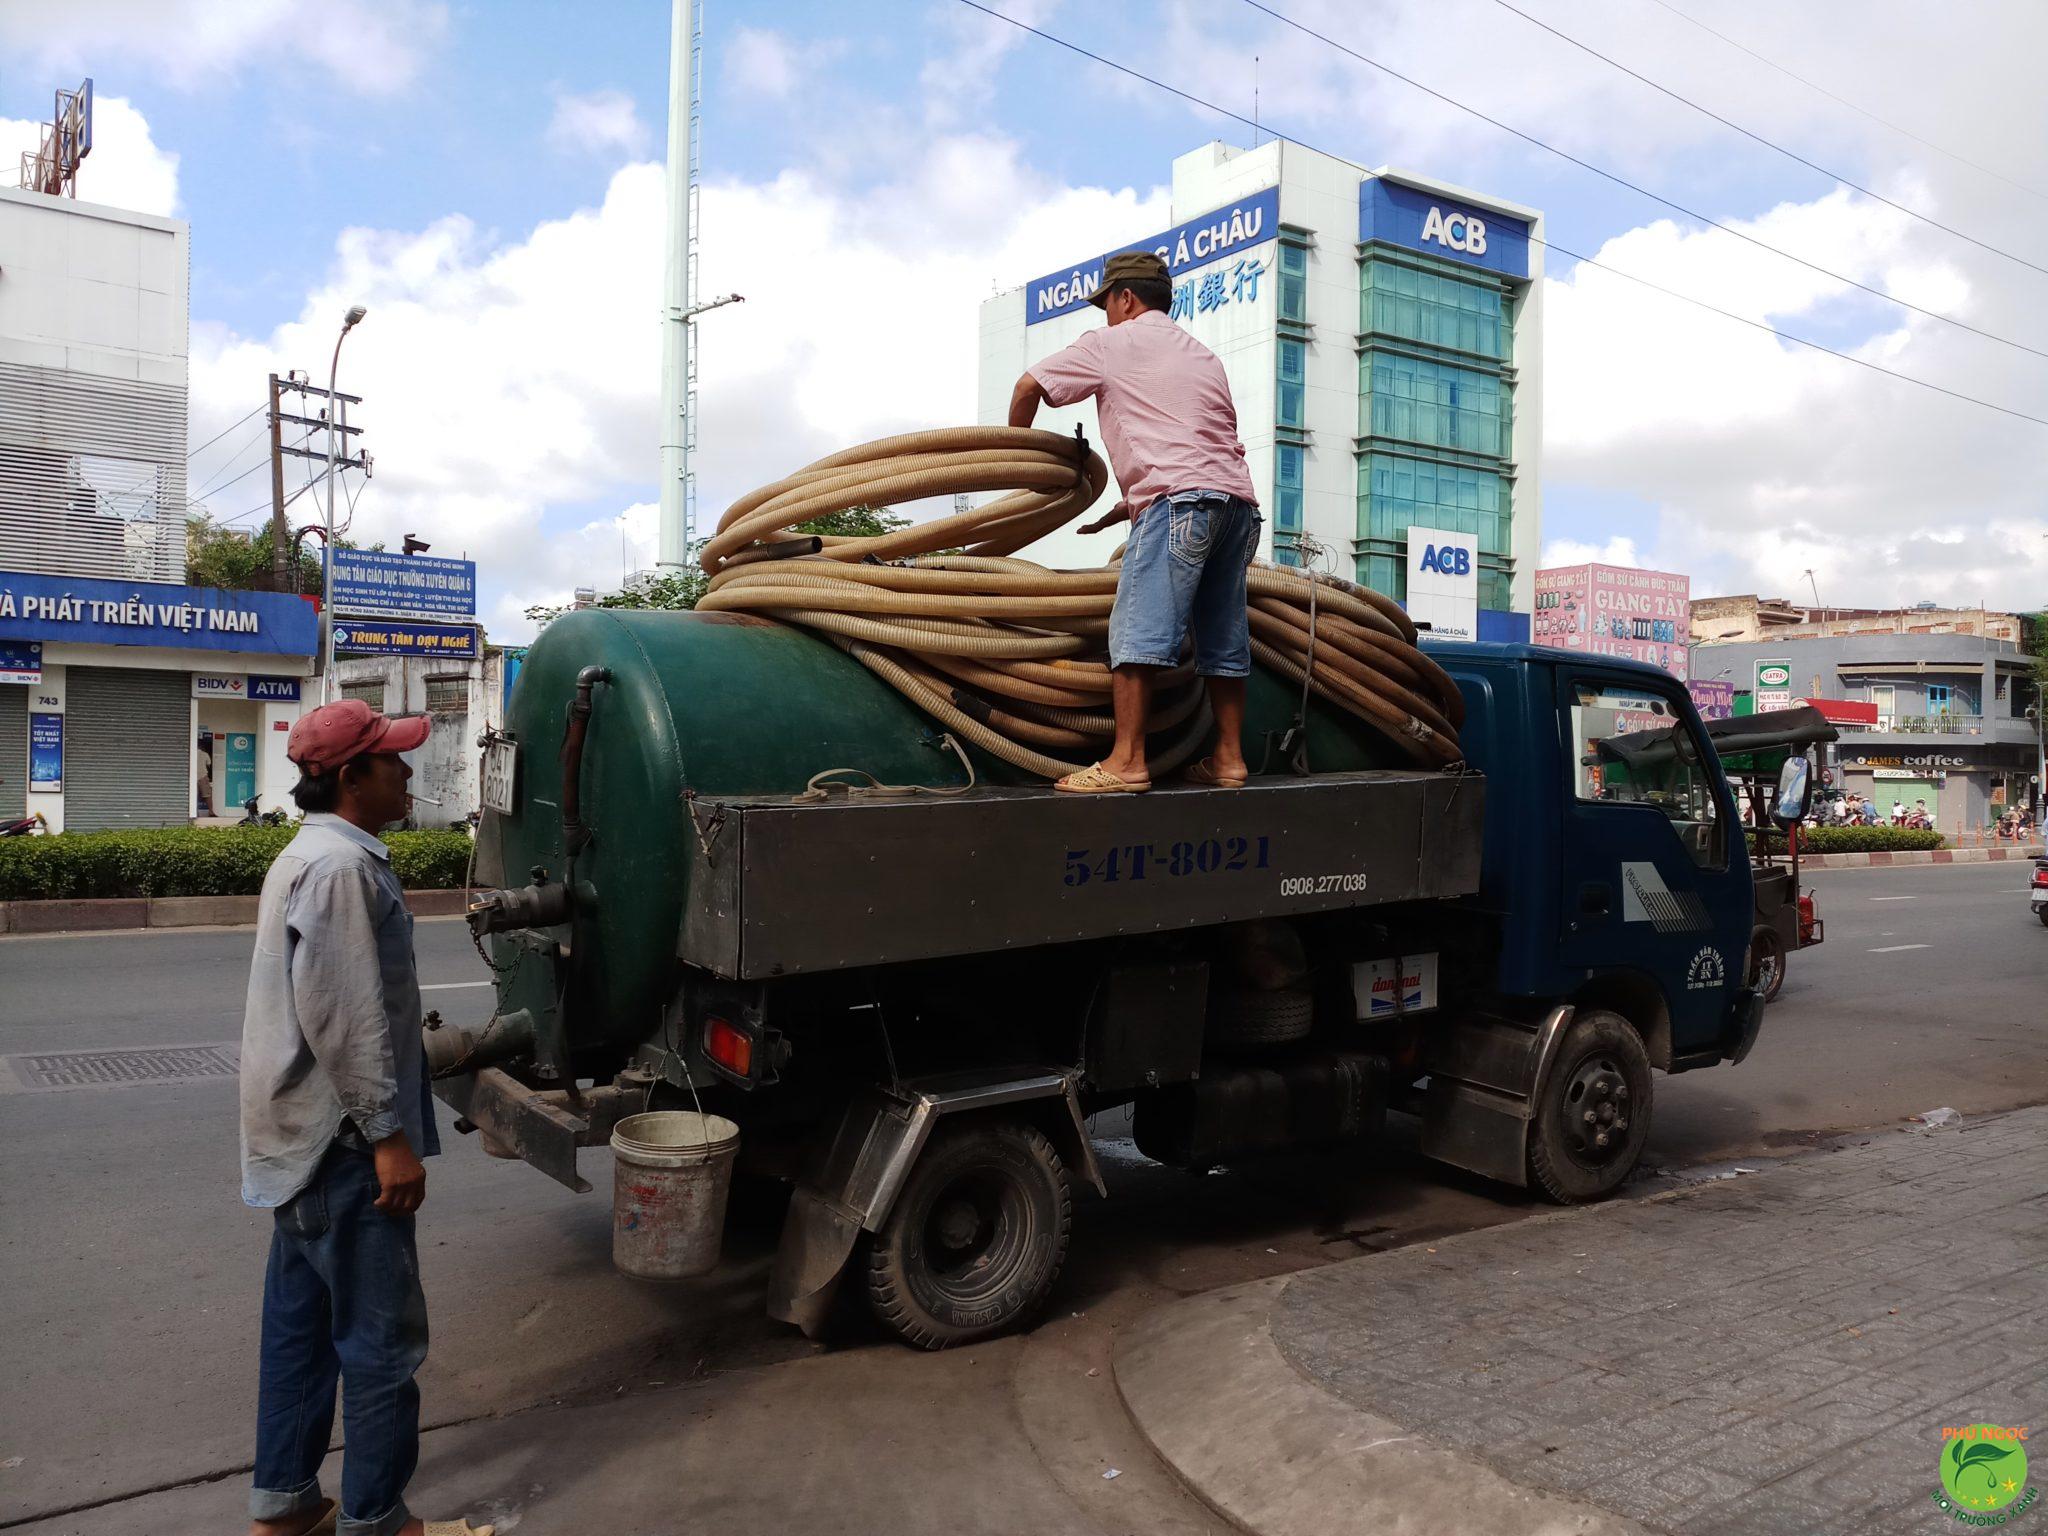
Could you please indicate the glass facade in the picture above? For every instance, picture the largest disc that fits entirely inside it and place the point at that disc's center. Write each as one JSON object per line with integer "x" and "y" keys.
{"x": 1293, "y": 281}
{"x": 1293, "y": 368}
{"x": 1287, "y": 504}
{"x": 1435, "y": 415}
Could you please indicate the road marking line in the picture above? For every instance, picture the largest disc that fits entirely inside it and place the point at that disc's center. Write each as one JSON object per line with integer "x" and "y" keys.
{"x": 1895, "y": 898}
{"x": 450, "y": 986}
{"x": 1893, "y": 949}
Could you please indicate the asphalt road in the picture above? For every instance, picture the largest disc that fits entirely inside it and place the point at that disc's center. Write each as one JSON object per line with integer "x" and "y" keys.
{"x": 132, "y": 1272}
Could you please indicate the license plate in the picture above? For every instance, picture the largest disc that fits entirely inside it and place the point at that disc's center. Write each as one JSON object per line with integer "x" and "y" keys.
{"x": 501, "y": 776}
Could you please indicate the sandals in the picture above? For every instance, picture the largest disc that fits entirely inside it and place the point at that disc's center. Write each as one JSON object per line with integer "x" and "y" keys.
{"x": 458, "y": 1528}
{"x": 1205, "y": 772}
{"x": 1098, "y": 780}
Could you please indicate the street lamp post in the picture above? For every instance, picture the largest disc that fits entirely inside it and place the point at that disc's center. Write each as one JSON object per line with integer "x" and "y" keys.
{"x": 348, "y": 323}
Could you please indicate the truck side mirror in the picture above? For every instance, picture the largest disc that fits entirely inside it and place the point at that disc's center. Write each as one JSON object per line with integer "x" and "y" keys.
{"x": 1795, "y": 783}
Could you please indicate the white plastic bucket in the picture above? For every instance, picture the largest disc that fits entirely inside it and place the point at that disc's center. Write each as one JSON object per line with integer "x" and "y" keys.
{"x": 672, "y": 1174}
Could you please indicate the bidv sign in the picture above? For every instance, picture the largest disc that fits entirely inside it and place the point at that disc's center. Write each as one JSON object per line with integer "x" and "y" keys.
{"x": 1234, "y": 227}
{"x": 1459, "y": 231}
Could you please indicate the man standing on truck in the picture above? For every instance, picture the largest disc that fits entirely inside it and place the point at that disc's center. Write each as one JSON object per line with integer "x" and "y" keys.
{"x": 336, "y": 1115}
{"x": 1171, "y": 431}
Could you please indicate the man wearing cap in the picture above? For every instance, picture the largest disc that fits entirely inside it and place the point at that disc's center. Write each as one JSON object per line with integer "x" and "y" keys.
{"x": 1171, "y": 430}
{"x": 336, "y": 1115}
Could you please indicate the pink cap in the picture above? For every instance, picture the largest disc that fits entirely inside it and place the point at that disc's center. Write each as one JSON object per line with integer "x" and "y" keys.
{"x": 329, "y": 736}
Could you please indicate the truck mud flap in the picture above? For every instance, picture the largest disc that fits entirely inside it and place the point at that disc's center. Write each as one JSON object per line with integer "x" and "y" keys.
{"x": 852, "y": 1180}
{"x": 1485, "y": 1070}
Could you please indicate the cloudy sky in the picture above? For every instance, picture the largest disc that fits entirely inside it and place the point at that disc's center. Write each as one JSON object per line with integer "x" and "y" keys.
{"x": 486, "y": 179}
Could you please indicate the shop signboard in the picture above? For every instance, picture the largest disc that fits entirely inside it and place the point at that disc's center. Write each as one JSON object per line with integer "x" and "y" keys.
{"x": 1231, "y": 230}
{"x": 220, "y": 685}
{"x": 1441, "y": 227}
{"x": 1614, "y": 610}
{"x": 1845, "y": 711}
{"x": 1713, "y": 697}
{"x": 274, "y": 690}
{"x": 88, "y": 611}
{"x": 21, "y": 661}
{"x": 1773, "y": 684}
{"x": 378, "y": 584}
{"x": 45, "y": 752}
{"x": 1443, "y": 582}
{"x": 379, "y": 637}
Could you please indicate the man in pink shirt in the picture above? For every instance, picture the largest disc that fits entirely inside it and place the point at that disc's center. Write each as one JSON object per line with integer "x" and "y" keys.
{"x": 1171, "y": 430}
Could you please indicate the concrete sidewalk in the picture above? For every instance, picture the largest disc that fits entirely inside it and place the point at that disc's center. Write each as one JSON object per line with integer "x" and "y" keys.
{"x": 1770, "y": 1353}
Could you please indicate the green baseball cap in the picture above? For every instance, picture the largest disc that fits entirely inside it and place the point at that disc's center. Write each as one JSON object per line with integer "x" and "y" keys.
{"x": 1127, "y": 267}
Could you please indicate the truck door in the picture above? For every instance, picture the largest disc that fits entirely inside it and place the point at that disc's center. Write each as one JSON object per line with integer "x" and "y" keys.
{"x": 1651, "y": 882}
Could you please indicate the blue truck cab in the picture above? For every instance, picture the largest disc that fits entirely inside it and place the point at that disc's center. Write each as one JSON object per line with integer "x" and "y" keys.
{"x": 1614, "y": 899}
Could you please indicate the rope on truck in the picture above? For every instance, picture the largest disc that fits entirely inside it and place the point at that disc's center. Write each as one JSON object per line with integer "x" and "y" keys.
{"x": 1013, "y": 656}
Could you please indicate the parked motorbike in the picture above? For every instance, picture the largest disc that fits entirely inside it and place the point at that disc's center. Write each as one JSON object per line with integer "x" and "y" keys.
{"x": 25, "y": 826}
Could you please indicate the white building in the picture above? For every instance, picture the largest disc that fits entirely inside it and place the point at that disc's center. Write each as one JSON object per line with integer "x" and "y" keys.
{"x": 1383, "y": 337}
{"x": 127, "y": 699}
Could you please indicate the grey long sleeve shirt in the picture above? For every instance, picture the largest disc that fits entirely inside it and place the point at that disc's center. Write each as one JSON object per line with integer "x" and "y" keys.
{"x": 332, "y": 1025}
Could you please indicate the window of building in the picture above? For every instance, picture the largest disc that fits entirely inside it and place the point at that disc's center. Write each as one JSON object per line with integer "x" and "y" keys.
{"x": 1395, "y": 491}
{"x": 1293, "y": 368}
{"x": 1293, "y": 281}
{"x": 1435, "y": 308}
{"x": 371, "y": 694}
{"x": 1287, "y": 504}
{"x": 1633, "y": 749}
{"x": 1439, "y": 405}
{"x": 446, "y": 694}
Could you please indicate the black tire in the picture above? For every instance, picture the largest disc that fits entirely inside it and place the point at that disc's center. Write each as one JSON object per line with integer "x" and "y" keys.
{"x": 1600, "y": 1069}
{"x": 975, "y": 1240}
{"x": 2043, "y": 915}
{"x": 1767, "y": 963}
{"x": 1240, "y": 1017}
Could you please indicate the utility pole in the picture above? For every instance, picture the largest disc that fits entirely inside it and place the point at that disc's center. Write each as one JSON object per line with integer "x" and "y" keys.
{"x": 280, "y": 536}
{"x": 672, "y": 539}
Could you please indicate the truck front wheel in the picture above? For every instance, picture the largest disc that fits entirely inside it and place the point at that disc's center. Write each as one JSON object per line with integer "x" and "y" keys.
{"x": 976, "y": 1238}
{"x": 1593, "y": 1113}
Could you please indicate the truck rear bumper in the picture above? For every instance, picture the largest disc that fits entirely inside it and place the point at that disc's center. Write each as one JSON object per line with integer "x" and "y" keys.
{"x": 544, "y": 1127}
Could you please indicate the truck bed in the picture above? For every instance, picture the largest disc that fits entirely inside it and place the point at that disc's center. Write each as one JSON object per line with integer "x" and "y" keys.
{"x": 781, "y": 887}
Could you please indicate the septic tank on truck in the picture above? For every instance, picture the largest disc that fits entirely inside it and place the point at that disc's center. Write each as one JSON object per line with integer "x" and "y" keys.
{"x": 910, "y": 1002}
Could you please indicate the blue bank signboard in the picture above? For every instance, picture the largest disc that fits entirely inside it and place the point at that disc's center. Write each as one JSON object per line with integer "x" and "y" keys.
{"x": 89, "y": 611}
{"x": 390, "y": 637}
{"x": 1234, "y": 227}
{"x": 1442, "y": 226}
{"x": 45, "y": 752}
{"x": 387, "y": 586}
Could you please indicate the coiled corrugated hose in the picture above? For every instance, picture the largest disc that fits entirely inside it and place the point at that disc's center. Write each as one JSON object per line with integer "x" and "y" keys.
{"x": 1013, "y": 656}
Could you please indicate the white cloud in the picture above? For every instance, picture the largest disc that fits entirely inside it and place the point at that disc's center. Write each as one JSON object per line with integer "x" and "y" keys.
{"x": 371, "y": 46}
{"x": 1619, "y": 550}
{"x": 502, "y": 380}
{"x": 125, "y": 169}
{"x": 761, "y": 62}
{"x": 596, "y": 123}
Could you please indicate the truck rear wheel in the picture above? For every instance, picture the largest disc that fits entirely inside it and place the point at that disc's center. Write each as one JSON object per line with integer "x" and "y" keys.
{"x": 1766, "y": 962}
{"x": 1593, "y": 1112}
{"x": 975, "y": 1240}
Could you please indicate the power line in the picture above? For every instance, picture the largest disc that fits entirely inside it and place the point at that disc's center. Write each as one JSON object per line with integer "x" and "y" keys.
{"x": 1622, "y": 181}
{"x": 1789, "y": 154}
{"x": 262, "y": 463}
{"x": 1238, "y": 117}
{"x": 1814, "y": 85}
{"x": 223, "y": 432}
{"x": 228, "y": 464}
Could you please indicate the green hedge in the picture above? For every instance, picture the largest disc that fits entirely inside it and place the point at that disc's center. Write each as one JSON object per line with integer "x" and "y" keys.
{"x": 195, "y": 861}
{"x": 1857, "y": 839}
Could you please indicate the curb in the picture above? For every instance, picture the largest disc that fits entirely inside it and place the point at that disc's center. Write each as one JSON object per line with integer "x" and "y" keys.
{"x": 1918, "y": 856}
{"x": 122, "y": 912}
{"x": 1277, "y": 1455}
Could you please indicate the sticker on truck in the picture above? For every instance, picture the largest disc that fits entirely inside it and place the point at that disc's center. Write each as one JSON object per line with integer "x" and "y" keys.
{"x": 1400, "y": 984}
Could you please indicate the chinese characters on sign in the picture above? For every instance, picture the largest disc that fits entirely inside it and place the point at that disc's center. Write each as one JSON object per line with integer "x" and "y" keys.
{"x": 1201, "y": 242}
{"x": 1216, "y": 288}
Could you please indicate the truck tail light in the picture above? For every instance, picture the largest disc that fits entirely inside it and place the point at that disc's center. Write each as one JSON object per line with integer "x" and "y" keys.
{"x": 728, "y": 1045}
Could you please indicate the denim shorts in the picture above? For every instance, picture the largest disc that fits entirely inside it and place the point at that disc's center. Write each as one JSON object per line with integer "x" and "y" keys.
{"x": 1184, "y": 569}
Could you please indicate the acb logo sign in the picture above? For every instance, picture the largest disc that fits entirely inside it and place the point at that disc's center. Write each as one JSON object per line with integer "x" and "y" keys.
{"x": 1458, "y": 231}
{"x": 1447, "y": 560}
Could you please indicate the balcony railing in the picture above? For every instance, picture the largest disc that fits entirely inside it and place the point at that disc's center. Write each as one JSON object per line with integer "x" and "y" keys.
{"x": 1943, "y": 723}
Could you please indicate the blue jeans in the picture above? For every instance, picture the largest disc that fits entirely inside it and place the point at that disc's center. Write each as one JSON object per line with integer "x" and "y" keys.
{"x": 341, "y": 1299}
{"x": 1184, "y": 568}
